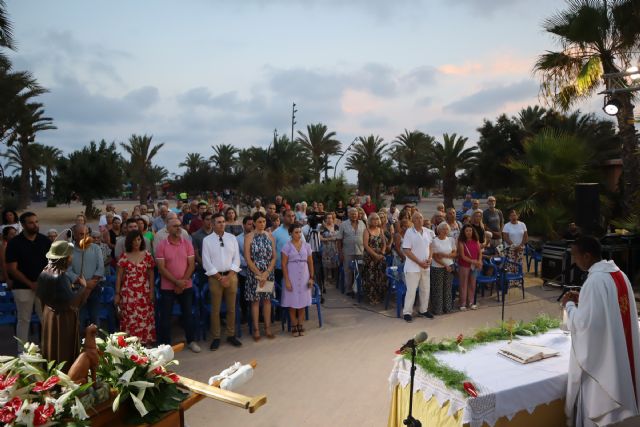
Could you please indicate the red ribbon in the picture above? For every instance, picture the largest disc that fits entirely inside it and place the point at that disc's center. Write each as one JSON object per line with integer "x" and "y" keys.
{"x": 625, "y": 313}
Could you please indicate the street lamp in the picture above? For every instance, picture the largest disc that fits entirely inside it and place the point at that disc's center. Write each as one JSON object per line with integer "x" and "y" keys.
{"x": 335, "y": 168}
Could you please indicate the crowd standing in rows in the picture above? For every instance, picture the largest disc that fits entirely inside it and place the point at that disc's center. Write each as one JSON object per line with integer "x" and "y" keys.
{"x": 275, "y": 250}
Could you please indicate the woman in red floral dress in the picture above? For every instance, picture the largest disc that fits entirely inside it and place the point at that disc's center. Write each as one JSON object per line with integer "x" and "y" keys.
{"x": 134, "y": 290}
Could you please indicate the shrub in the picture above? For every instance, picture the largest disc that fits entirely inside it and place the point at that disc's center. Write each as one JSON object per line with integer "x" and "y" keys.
{"x": 329, "y": 193}
{"x": 51, "y": 203}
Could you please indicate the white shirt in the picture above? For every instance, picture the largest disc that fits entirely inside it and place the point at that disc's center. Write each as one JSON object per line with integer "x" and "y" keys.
{"x": 445, "y": 246}
{"x": 218, "y": 258}
{"x": 419, "y": 243}
{"x": 515, "y": 231}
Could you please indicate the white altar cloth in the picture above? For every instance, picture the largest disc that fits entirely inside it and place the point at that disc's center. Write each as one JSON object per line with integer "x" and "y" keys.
{"x": 505, "y": 387}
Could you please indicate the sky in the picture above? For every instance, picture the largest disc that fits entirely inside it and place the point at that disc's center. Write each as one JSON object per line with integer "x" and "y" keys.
{"x": 198, "y": 73}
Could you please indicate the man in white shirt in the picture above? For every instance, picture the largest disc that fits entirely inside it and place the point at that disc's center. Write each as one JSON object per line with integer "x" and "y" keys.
{"x": 221, "y": 263}
{"x": 604, "y": 366}
{"x": 417, "y": 248}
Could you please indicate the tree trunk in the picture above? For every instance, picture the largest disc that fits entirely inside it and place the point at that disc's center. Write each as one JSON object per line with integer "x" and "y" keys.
{"x": 88, "y": 207}
{"x": 48, "y": 183}
{"x": 448, "y": 190}
{"x": 630, "y": 162}
{"x": 24, "y": 197}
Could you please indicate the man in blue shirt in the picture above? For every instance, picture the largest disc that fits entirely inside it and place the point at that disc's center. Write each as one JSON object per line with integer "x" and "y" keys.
{"x": 282, "y": 237}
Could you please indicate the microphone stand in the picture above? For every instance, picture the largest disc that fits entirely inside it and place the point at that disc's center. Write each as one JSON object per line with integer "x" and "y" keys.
{"x": 410, "y": 421}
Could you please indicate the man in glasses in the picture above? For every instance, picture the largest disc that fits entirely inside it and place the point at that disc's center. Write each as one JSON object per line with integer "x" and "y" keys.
{"x": 221, "y": 263}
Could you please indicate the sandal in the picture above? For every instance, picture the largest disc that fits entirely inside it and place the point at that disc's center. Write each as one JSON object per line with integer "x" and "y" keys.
{"x": 294, "y": 330}
{"x": 300, "y": 331}
{"x": 269, "y": 334}
{"x": 256, "y": 335}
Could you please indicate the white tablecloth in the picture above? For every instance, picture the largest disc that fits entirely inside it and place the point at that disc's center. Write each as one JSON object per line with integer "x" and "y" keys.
{"x": 505, "y": 387}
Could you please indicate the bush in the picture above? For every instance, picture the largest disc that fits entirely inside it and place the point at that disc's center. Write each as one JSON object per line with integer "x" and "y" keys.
{"x": 328, "y": 193}
{"x": 93, "y": 212}
{"x": 10, "y": 202}
{"x": 51, "y": 203}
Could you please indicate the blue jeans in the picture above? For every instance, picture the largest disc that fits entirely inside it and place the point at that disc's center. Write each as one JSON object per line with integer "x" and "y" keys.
{"x": 91, "y": 308}
{"x": 185, "y": 299}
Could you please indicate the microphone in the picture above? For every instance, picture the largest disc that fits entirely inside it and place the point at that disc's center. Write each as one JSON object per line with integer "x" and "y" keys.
{"x": 417, "y": 339}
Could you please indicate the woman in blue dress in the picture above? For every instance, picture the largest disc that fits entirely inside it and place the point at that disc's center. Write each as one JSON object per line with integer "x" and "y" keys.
{"x": 260, "y": 254}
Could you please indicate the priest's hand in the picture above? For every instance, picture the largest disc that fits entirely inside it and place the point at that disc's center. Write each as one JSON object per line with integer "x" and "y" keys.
{"x": 570, "y": 296}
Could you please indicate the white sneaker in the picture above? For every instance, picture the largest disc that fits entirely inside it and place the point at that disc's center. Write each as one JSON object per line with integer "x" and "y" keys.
{"x": 463, "y": 308}
{"x": 473, "y": 307}
{"x": 193, "y": 346}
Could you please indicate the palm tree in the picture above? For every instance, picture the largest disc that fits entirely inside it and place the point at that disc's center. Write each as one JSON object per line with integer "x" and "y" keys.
{"x": 225, "y": 160}
{"x": 49, "y": 161}
{"x": 368, "y": 158}
{"x": 141, "y": 155}
{"x": 449, "y": 158}
{"x": 411, "y": 152}
{"x": 596, "y": 37}
{"x": 193, "y": 162}
{"x": 6, "y": 30}
{"x": 319, "y": 144}
{"x": 552, "y": 163}
{"x": 23, "y": 159}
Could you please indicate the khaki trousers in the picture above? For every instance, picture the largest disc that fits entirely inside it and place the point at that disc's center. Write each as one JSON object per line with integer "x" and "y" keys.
{"x": 229, "y": 294}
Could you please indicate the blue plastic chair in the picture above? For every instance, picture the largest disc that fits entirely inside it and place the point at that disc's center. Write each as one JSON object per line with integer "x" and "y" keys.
{"x": 107, "y": 310}
{"x": 316, "y": 298}
{"x": 397, "y": 287}
{"x": 508, "y": 277}
{"x": 483, "y": 281}
{"x": 455, "y": 283}
{"x": 7, "y": 307}
{"x": 531, "y": 254}
{"x": 341, "y": 277}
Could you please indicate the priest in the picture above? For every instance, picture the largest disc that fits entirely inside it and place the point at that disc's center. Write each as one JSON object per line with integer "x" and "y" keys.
{"x": 604, "y": 369}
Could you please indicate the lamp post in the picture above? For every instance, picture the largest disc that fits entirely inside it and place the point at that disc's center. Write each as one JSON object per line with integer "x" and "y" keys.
{"x": 293, "y": 119}
{"x": 335, "y": 168}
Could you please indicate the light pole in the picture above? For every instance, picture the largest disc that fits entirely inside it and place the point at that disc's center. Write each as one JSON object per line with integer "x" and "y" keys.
{"x": 335, "y": 168}
{"x": 293, "y": 119}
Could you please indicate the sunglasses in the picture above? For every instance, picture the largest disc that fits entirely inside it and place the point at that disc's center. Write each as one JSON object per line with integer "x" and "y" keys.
{"x": 221, "y": 242}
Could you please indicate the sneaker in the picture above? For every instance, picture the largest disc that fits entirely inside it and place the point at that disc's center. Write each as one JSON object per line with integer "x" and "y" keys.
{"x": 214, "y": 344}
{"x": 463, "y": 308}
{"x": 408, "y": 318}
{"x": 474, "y": 307}
{"x": 234, "y": 341}
{"x": 193, "y": 346}
{"x": 427, "y": 315}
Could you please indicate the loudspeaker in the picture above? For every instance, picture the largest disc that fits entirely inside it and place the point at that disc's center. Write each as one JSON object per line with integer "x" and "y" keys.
{"x": 588, "y": 208}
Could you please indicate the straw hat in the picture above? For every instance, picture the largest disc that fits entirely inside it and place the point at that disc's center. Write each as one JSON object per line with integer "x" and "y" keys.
{"x": 60, "y": 249}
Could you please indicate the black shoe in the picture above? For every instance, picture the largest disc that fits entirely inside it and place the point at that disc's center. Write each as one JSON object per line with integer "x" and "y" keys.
{"x": 234, "y": 341}
{"x": 408, "y": 318}
{"x": 350, "y": 294}
{"x": 427, "y": 315}
{"x": 214, "y": 344}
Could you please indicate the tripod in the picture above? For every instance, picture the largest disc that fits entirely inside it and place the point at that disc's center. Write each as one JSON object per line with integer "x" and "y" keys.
{"x": 410, "y": 421}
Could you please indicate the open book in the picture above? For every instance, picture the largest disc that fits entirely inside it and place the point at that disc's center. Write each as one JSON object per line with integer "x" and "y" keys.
{"x": 526, "y": 353}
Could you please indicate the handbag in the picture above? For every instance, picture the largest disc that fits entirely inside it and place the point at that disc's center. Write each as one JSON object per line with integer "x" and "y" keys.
{"x": 267, "y": 288}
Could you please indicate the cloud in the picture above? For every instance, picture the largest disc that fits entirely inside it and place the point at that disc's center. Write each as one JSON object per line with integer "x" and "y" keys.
{"x": 487, "y": 7}
{"x": 493, "y": 98}
{"x": 71, "y": 101}
{"x": 465, "y": 69}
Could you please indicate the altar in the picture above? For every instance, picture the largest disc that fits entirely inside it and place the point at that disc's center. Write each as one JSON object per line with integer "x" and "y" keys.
{"x": 509, "y": 393}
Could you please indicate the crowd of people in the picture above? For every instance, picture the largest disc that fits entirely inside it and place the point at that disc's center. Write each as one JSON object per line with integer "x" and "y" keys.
{"x": 276, "y": 251}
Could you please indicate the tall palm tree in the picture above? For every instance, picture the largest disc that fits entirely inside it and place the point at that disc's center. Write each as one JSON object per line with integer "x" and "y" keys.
{"x": 368, "y": 158}
{"x": 6, "y": 30}
{"x": 225, "y": 160}
{"x": 411, "y": 152}
{"x": 30, "y": 121}
{"x": 23, "y": 159}
{"x": 49, "y": 161}
{"x": 320, "y": 144}
{"x": 596, "y": 37}
{"x": 141, "y": 154}
{"x": 193, "y": 162}
{"x": 449, "y": 158}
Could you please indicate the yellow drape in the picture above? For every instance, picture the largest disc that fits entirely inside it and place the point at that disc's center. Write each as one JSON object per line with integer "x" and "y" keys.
{"x": 431, "y": 414}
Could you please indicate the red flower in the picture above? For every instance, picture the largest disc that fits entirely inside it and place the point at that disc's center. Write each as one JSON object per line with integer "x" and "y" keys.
{"x": 8, "y": 413}
{"x": 42, "y": 414}
{"x": 158, "y": 371}
{"x": 470, "y": 389}
{"x": 6, "y": 382}
{"x": 173, "y": 377}
{"x": 121, "y": 341}
{"x": 459, "y": 338}
{"x": 46, "y": 385}
{"x": 139, "y": 360}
